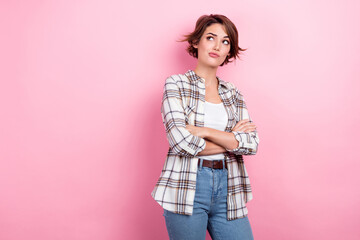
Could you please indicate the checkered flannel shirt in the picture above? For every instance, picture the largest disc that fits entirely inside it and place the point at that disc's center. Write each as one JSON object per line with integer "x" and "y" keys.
{"x": 183, "y": 103}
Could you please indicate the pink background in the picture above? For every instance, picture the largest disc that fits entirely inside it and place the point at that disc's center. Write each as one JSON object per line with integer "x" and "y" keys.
{"x": 82, "y": 141}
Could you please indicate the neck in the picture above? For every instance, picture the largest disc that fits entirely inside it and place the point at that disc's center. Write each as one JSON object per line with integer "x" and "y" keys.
{"x": 208, "y": 73}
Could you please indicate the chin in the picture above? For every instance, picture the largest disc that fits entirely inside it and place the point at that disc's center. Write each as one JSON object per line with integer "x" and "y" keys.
{"x": 211, "y": 63}
{"x": 214, "y": 64}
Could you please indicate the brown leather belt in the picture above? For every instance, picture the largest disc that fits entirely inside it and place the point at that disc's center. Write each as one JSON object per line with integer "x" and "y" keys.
{"x": 218, "y": 164}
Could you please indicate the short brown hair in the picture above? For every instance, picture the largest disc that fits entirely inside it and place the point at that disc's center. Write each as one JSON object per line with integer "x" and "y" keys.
{"x": 202, "y": 23}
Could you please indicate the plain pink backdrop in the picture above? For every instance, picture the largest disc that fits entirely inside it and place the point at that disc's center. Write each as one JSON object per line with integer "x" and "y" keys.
{"x": 82, "y": 142}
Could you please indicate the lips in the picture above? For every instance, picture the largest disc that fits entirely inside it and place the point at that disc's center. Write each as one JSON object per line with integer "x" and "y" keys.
{"x": 214, "y": 55}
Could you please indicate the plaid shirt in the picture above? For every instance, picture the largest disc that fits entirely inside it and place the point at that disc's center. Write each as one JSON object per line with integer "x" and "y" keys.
{"x": 183, "y": 103}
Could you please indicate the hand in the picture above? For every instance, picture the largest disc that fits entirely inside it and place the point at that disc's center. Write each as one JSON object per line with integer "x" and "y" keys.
{"x": 197, "y": 131}
{"x": 244, "y": 126}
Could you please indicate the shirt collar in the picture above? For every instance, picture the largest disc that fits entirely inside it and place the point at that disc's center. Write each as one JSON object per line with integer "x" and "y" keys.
{"x": 194, "y": 77}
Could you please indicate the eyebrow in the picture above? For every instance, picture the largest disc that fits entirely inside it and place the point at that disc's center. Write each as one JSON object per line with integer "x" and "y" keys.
{"x": 216, "y": 35}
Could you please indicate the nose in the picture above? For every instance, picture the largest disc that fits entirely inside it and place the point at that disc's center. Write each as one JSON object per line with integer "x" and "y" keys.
{"x": 217, "y": 45}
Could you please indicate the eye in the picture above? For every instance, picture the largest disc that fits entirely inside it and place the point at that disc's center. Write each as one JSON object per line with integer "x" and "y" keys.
{"x": 227, "y": 42}
{"x": 208, "y": 38}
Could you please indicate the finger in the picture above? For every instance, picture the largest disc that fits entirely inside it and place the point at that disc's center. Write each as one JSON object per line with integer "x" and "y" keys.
{"x": 251, "y": 129}
{"x": 243, "y": 126}
{"x": 242, "y": 122}
{"x": 245, "y": 129}
{"x": 240, "y": 127}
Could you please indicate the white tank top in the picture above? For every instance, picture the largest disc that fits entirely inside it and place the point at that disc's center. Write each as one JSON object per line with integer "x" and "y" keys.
{"x": 215, "y": 117}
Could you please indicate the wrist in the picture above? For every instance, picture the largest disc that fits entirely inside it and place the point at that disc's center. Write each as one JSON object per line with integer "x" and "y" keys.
{"x": 207, "y": 132}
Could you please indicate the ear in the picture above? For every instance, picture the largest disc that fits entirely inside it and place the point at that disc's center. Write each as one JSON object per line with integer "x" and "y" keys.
{"x": 195, "y": 45}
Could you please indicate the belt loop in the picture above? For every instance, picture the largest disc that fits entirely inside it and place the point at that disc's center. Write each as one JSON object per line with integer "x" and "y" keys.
{"x": 201, "y": 163}
{"x": 223, "y": 160}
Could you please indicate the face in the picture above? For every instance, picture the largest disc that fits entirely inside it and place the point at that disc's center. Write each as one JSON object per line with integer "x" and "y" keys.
{"x": 214, "y": 45}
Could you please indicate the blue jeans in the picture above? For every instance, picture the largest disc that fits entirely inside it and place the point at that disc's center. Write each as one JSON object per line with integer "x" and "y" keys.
{"x": 210, "y": 212}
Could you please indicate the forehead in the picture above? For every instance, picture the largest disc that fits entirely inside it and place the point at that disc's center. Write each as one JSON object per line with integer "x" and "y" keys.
{"x": 216, "y": 28}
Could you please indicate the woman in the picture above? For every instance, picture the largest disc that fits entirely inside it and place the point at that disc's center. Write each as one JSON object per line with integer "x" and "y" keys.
{"x": 204, "y": 183}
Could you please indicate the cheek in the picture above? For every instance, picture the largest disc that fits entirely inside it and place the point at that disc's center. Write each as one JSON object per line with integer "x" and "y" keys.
{"x": 202, "y": 49}
{"x": 206, "y": 44}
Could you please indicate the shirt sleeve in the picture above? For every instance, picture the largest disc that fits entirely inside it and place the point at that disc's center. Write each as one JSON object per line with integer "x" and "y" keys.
{"x": 248, "y": 142}
{"x": 181, "y": 141}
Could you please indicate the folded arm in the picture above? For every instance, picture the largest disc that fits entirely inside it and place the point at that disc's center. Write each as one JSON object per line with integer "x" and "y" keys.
{"x": 242, "y": 140}
{"x": 211, "y": 148}
{"x": 181, "y": 141}
{"x": 247, "y": 141}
